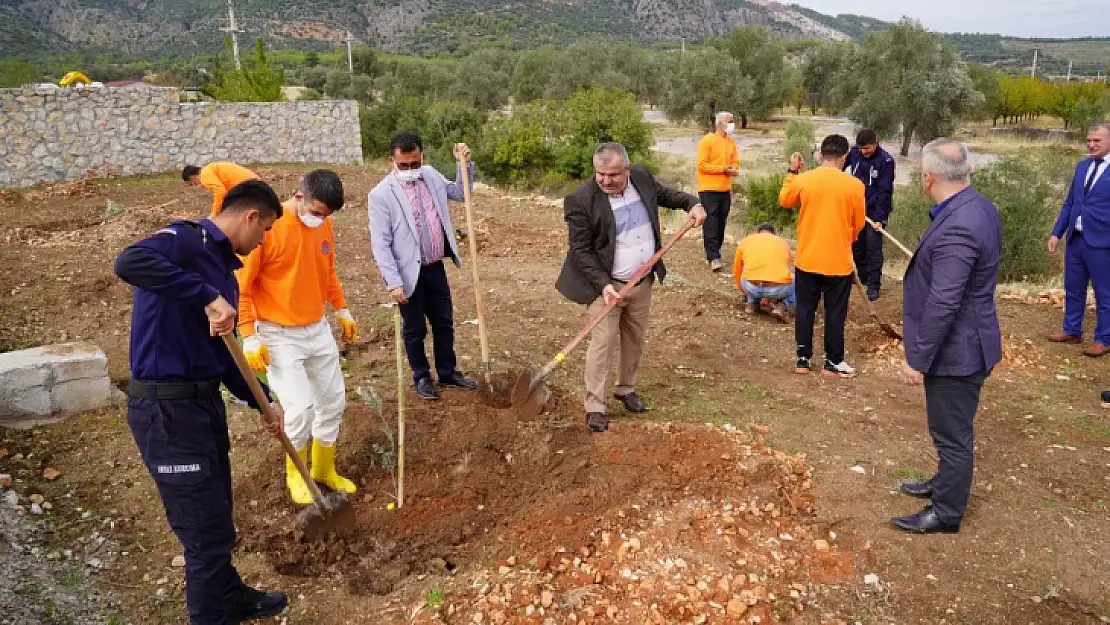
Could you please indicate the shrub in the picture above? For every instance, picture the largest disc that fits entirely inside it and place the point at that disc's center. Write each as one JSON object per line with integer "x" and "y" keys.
{"x": 379, "y": 122}
{"x": 800, "y": 137}
{"x": 594, "y": 116}
{"x": 1022, "y": 189}
{"x": 517, "y": 149}
{"x": 763, "y": 203}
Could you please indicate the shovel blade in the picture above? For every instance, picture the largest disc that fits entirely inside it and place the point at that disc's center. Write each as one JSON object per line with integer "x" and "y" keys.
{"x": 529, "y": 396}
{"x": 335, "y": 516}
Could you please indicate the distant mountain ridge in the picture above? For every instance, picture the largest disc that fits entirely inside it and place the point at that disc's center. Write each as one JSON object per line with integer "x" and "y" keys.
{"x": 159, "y": 28}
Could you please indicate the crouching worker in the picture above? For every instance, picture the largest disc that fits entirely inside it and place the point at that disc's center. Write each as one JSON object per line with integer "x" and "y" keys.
{"x": 184, "y": 287}
{"x": 762, "y": 271}
{"x": 284, "y": 285}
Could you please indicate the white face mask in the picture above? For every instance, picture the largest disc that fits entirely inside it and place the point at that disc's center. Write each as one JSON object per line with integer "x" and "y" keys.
{"x": 730, "y": 127}
{"x": 408, "y": 175}
{"x": 310, "y": 220}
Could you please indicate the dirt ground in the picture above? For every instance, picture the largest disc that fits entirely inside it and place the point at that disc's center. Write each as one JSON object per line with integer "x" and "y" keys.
{"x": 745, "y": 494}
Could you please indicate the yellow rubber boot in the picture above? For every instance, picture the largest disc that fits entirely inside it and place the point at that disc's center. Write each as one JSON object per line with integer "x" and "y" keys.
{"x": 323, "y": 468}
{"x": 293, "y": 480}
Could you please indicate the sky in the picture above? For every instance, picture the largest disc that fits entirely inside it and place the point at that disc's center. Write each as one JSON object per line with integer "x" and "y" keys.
{"x": 1020, "y": 18}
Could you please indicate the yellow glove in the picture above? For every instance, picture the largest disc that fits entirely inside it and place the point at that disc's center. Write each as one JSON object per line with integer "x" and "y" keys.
{"x": 347, "y": 324}
{"x": 258, "y": 357}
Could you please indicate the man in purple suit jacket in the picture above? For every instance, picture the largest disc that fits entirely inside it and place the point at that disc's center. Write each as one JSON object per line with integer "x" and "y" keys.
{"x": 1085, "y": 217}
{"x": 952, "y": 336}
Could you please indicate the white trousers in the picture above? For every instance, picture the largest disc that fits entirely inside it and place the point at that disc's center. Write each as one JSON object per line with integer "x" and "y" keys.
{"x": 304, "y": 373}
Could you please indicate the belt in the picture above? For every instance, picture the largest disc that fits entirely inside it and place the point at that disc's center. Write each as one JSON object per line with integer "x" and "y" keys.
{"x": 638, "y": 282}
{"x": 766, "y": 284}
{"x": 173, "y": 390}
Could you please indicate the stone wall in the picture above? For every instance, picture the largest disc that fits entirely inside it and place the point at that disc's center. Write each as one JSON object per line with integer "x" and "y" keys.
{"x": 69, "y": 134}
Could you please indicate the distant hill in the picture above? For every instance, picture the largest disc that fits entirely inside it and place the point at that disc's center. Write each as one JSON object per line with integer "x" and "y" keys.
{"x": 172, "y": 28}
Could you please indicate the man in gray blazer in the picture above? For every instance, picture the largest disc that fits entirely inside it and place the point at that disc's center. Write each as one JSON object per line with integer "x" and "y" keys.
{"x": 411, "y": 234}
{"x": 952, "y": 336}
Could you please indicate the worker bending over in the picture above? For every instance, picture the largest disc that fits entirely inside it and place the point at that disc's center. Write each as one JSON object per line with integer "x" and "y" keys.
{"x": 219, "y": 178}
{"x": 762, "y": 271}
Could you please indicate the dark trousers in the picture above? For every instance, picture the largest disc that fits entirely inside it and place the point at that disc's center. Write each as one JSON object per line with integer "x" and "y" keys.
{"x": 184, "y": 444}
{"x": 717, "y": 205}
{"x": 430, "y": 300}
{"x": 811, "y": 288}
{"x": 950, "y": 404}
{"x": 868, "y": 253}
{"x": 1085, "y": 265}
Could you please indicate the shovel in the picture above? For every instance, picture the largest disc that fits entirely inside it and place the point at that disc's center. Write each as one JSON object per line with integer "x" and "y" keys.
{"x": 885, "y": 327}
{"x": 890, "y": 236}
{"x": 529, "y": 392}
{"x": 493, "y": 390}
{"x": 327, "y": 515}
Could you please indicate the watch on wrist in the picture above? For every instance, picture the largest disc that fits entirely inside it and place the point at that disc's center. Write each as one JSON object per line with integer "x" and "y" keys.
{"x": 793, "y": 171}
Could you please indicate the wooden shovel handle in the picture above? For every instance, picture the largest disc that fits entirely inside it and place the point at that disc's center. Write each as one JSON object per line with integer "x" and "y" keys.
{"x": 269, "y": 416}
{"x": 890, "y": 236}
{"x": 628, "y": 286}
{"x": 473, "y": 242}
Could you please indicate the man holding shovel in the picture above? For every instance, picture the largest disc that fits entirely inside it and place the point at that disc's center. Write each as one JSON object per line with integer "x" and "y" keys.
{"x": 409, "y": 226}
{"x": 284, "y": 286}
{"x": 613, "y": 227}
{"x": 184, "y": 287}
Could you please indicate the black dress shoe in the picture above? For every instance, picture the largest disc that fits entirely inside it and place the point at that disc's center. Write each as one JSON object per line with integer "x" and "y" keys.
{"x": 925, "y": 522}
{"x": 247, "y": 604}
{"x": 632, "y": 403}
{"x": 596, "y": 421}
{"x": 921, "y": 490}
{"x": 426, "y": 389}
{"x": 1106, "y": 397}
{"x": 458, "y": 380}
{"x": 872, "y": 294}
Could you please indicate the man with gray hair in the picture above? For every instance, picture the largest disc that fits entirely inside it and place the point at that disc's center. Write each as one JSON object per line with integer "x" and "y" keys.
{"x": 718, "y": 163}
{"x": 952, "y": 336}
{"x": 1085, "y": 219}
{"x": 613, "y": 230}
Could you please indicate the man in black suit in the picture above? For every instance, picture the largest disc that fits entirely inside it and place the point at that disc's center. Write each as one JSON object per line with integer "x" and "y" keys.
{"x": 613, "y": 224}
{"x": 953, "y": 339}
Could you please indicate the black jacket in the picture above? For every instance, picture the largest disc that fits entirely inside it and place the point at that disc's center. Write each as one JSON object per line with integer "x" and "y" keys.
{"x": 592, "y": 233}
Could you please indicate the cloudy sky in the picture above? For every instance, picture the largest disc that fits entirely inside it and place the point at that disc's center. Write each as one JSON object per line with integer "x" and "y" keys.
{"x": 1023, "y": 18}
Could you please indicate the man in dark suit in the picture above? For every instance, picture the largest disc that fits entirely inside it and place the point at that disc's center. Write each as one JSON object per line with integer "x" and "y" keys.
{"x": 952, "y": 336}
{"x": 613, "y": 224}
{"x": 1085, "y": 218}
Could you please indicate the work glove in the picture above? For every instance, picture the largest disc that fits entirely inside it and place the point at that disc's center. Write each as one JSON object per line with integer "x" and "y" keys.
{"x": 348, "y": 325}
{"x": 258, "y": 357}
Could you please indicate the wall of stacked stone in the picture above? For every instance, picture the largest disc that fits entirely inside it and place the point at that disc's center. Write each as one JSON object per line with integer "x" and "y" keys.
{"x": 68, "y": 134}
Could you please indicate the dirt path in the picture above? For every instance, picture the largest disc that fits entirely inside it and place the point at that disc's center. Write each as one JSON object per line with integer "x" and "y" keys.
{"x": 502, "y": 513}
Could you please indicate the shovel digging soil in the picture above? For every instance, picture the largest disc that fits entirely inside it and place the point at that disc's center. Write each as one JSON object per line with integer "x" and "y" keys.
{"x": 529, "y": 391}
{"x": 332, "y": 514}
{"x": 885, "y": 327}
{"x": 493, "y": 389}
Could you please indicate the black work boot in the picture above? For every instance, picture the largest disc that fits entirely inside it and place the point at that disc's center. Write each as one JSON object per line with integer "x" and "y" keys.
{"x": 247, "y": 604}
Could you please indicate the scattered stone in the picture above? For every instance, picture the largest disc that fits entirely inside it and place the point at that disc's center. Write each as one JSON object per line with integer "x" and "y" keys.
{"x": 5, "y": 480}
{"x": 36, "y": 498}
{"x": 736, "y": 608}
{"x": 50, "y": 474}
{"x": 36, "y": 509}
{"x": 178, "y": 562}
{"x": 546, "y": 597}
{"x": 821, "y": 545}
{"x": 11, "y": 498}
{"x": 46, "y": 505}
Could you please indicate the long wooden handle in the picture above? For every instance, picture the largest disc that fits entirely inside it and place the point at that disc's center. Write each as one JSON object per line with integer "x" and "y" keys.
{"x": 596, "y": 319}
{"x": 863, "y": 294}
{"x": 889, "y": 236}
{"x": 473, "y": 241}
{"x": 397, "y": 348}
{"x": 268, "y": 414}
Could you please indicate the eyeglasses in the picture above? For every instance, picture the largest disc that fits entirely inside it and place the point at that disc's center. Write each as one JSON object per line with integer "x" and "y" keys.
{"x": 408, "y": 166}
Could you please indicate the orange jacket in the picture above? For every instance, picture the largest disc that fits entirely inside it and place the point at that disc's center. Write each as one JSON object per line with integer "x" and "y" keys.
{"x": 219, "y": 178}
{"x": 763, "y": 257}
{"x": 831, "y": 217}
{"x": 287, "y": 279}
{"x": 715, "y": 153}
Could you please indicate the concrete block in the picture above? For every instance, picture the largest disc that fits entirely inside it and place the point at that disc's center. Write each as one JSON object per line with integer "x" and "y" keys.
{"x": 80, "y": 395}
{"x": 44, "y": 384}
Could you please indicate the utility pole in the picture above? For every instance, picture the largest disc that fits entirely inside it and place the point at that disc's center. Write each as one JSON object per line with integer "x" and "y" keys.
{"x": 683, "y": 45}
{"x": 350, "y": 64}
{"x": 1069, "y": 70}
{"x": 1032, "y": 74}
{"x": 234, "y": 29}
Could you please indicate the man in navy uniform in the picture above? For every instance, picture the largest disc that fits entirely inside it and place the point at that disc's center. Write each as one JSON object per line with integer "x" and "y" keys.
{"x": 873, "y": 166}
{"x": 184, "y": 280}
